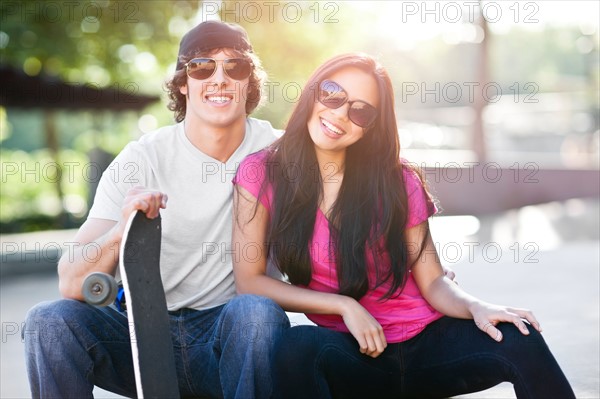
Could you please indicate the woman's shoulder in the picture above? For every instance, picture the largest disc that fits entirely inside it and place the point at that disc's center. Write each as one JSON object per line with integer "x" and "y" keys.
{"x": 252, "y": 176}
{"x": 256, "y": 158}
{"x": 412, "y": 175}
{"x": 422, "y": 204}
{"x": 252, "y": 170}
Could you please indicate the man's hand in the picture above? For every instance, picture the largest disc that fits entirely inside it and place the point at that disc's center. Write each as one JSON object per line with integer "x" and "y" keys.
{"x": 145, "y": 200}
{"x": 450, "y": 274}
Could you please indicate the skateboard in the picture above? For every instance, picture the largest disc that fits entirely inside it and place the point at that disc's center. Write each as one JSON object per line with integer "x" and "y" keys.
{"x": 151, "y": 345}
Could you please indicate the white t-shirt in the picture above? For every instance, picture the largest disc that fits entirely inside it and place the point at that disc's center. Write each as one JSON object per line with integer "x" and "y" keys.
{"x": 196, "y": 251}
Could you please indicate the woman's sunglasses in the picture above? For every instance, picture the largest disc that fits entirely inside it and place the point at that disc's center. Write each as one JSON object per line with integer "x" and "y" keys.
{"x": 332, "y": 95}
{"x": 204, "y": 68}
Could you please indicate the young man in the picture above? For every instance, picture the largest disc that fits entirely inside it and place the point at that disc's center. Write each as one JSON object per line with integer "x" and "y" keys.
{"x": 222, "y": 341}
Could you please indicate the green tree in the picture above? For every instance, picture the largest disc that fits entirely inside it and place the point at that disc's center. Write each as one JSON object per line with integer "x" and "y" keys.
{"x": 100, "y": 42}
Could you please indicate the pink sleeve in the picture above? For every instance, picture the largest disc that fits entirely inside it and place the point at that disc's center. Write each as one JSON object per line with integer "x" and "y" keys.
{"x": 420, "y": 203}
{"x": 251, "y": 174}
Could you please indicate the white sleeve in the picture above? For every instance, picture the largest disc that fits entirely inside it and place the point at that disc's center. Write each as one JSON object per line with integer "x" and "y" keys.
{"x": 127, "y": 170}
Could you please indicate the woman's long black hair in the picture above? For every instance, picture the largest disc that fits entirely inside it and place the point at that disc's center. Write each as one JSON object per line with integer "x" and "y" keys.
{"x": 371, "y": 203}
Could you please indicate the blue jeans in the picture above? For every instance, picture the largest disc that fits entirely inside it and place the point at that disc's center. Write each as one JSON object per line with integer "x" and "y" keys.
{"x": 450, "y": 357}
{"x": 225, "y": 351}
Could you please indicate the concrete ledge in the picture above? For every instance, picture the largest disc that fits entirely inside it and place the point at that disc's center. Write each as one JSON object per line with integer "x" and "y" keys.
{"x": 33, "y": 252}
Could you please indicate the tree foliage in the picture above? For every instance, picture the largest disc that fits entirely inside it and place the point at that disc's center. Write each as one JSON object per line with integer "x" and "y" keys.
{"x": 134, "y": 43}
{"x": 99, "y": 42}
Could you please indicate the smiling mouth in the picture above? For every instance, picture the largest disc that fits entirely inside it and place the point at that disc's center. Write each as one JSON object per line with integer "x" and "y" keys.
{"x": 331, "y": 127}
{"x": 222, "y": 99}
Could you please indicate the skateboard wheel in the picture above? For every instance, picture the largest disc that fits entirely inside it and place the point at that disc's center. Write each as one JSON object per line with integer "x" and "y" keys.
{"x": 99, "y": 289}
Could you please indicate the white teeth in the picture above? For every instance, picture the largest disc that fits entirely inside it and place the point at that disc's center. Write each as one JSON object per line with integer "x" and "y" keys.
{"x": 331, "y": 127}
{"x": 218, "y": 99}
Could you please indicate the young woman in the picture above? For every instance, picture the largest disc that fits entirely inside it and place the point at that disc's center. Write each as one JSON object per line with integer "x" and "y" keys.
{"x": 332, "y": 205}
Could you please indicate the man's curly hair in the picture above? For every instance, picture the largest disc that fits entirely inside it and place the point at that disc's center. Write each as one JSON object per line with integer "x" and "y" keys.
{"x": 177, "y": 102}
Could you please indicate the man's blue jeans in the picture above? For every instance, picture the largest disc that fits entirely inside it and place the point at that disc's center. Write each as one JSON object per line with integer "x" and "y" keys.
{"x": 220, "y": 352}
{"x": 450, "y": 357}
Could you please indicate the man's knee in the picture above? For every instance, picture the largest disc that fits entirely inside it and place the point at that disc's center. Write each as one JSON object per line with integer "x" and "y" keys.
{"x": 255, "y": 308}
{"x": 256, "y": 318}
{"x": 49, "y": 323}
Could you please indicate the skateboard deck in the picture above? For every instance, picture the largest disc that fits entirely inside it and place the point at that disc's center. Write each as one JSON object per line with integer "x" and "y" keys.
{"x": 151, "y": 344}
{"x": 148, "y": 319}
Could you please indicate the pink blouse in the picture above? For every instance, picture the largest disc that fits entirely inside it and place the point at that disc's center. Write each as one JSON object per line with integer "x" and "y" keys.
{"x": 402, "y": 317}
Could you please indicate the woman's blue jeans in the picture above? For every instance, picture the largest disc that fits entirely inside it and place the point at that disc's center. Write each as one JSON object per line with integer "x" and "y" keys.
{"x": 220, "y": 352}
{"x": 450, "y": 357}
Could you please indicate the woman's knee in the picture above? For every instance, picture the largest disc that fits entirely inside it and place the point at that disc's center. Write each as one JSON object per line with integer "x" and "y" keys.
{"x": 524, "y": 349}
{"x": 514, "y": 337}
{"x": 300, "y": 344}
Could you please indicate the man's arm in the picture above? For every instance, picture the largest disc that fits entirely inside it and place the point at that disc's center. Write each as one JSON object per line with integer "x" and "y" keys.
{"x": 99, "y": 240}
{"x": 96, "y": 250}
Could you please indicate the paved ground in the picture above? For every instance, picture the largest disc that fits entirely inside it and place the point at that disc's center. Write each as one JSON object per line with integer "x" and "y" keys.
{"x": 549, "y": 263}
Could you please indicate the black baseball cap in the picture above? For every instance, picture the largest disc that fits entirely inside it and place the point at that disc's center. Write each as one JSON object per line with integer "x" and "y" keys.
{"x": 210, "y": 35}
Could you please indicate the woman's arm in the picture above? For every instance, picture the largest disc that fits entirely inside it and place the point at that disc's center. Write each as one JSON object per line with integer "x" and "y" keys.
{"x": 448, "y": 298}
{"x": 250, "y": 264}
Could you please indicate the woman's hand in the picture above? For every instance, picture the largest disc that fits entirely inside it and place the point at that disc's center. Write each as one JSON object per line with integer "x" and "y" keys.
{"x": 365, "y": 329}
{"x": 487, "y": 316}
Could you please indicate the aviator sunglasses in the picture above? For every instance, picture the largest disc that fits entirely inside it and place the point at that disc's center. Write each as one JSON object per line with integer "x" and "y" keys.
{"x": 333, "y": 96}
{"x": 204, "y": 68}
